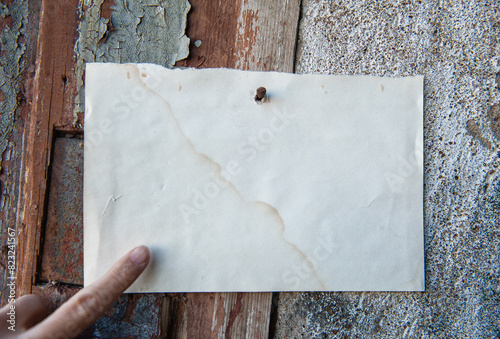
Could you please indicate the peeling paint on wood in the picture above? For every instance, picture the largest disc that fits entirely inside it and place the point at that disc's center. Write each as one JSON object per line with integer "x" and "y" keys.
{"x": 456, "y": 46}
{"x": 54, "y": 92}
{"x": 151, "y": 31}
{"x": 51, "y": 100}
{"x": 12, "y": 164}
{"x": 52, "y": 96}
{"x": 13, "y": 23}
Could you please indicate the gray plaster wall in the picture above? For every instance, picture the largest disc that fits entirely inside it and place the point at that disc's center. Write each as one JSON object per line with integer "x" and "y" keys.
{"x": 455, "y": 44}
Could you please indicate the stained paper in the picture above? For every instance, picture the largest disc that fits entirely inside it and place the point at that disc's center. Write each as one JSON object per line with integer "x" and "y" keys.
{"x": 318, "y": 187}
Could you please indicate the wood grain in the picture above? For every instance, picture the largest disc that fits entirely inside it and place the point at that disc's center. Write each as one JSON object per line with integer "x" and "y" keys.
{"x": 13, "y": 161}
{"x": 52, "y": 100}
{"x": 253, "y": 35}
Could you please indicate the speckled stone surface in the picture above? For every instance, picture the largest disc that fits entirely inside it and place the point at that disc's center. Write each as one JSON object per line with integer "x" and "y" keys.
{"x": 455, "y": 44}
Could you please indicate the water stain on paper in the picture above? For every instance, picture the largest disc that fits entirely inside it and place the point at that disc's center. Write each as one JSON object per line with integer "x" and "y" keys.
{"x": 263, "y": 208}
{"x": 273, "y": 212}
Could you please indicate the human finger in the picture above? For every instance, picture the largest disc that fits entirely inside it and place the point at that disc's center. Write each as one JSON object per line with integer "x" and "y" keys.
{"x": 85, "y": 307}
{"x": 22, "y": 314}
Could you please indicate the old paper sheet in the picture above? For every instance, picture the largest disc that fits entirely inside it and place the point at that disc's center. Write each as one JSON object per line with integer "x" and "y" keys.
{"x": 319, "y": 187}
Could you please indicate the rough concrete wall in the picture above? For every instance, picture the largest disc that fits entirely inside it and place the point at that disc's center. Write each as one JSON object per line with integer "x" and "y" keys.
{"x": 455, "y": 44}
{"x": 12, "y": 64}
{"x": 137, "y": 31}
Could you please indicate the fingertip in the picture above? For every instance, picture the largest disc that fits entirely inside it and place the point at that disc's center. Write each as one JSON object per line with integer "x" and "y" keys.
{"x": 140, "y": 256}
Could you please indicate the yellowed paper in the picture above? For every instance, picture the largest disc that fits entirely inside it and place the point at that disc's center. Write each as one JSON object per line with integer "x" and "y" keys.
{"x": 317, "y": 188}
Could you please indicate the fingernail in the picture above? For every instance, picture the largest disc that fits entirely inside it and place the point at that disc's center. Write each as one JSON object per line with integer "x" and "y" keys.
{"x": 140, "y": 255}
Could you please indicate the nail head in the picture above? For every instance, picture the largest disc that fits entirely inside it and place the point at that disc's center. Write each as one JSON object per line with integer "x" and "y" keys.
{"x": 261, "y": 93}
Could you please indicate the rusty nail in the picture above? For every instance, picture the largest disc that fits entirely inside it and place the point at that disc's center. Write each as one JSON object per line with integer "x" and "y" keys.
{"x": 261, "y": 93}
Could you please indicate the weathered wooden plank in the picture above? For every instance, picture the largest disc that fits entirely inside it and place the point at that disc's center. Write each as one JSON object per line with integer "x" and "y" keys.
{"x": 248, "y": 316}
{"x": 254, "y": 26}
{"x": 13, "y": 17}
{"x": 255, "y": 35}
{"x": 19, "y": 30}
{"x": 250, "y": 35}
{"x": 216, "y": 315}
{"x": 52, "y": 96}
